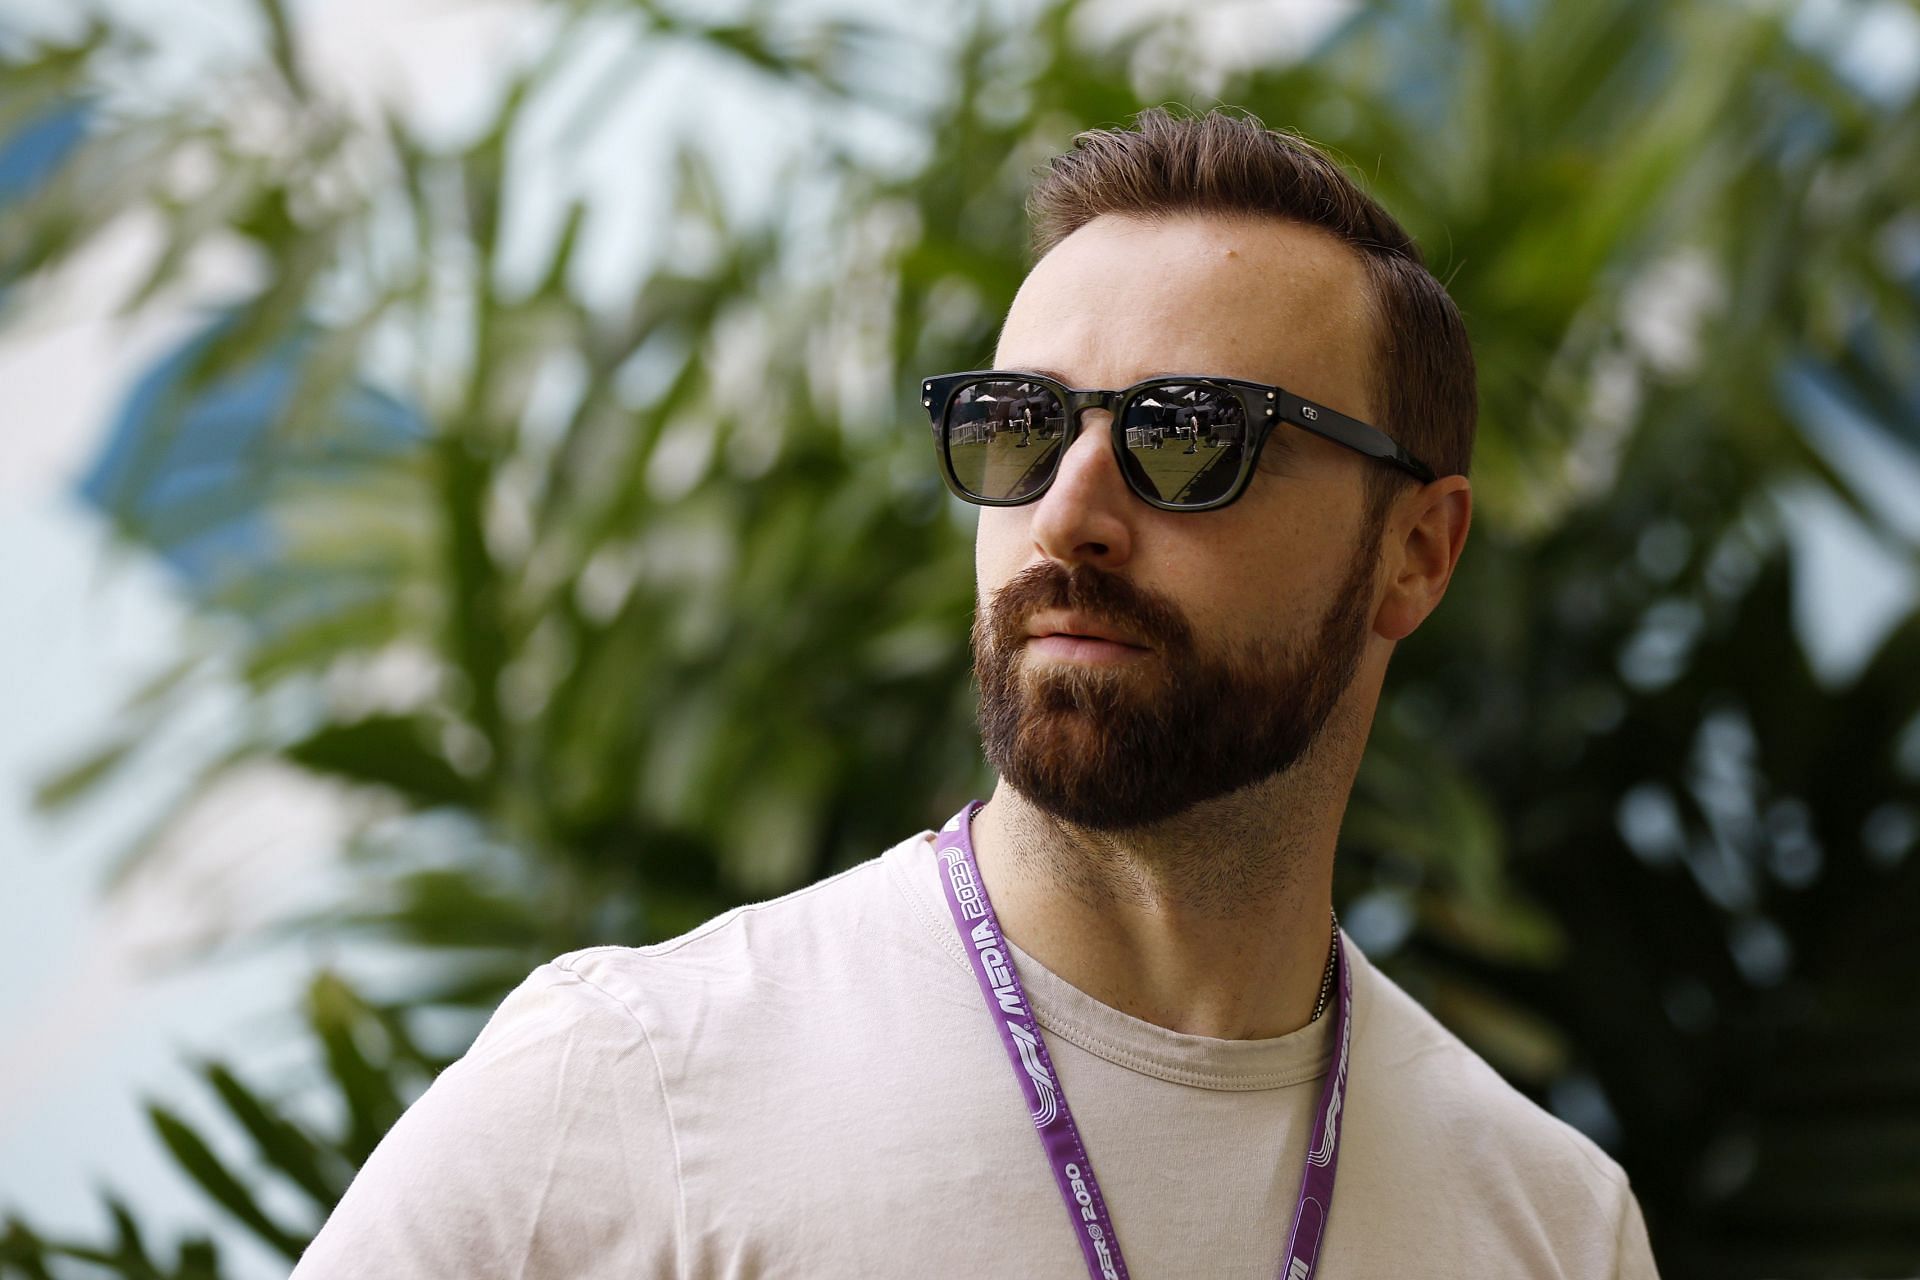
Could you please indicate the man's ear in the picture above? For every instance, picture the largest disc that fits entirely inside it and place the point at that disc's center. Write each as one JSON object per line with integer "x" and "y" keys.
{"x": 1425, "y": 533}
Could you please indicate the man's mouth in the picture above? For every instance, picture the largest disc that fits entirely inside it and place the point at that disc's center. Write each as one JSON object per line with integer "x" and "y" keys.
{"x": 1074, "y": 638}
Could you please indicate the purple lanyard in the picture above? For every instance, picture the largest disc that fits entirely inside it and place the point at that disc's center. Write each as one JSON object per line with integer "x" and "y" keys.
{"x": 1012, "y": 1013}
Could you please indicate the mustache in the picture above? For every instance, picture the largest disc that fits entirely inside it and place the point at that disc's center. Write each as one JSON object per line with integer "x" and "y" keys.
{"x": 1106, "y": 597}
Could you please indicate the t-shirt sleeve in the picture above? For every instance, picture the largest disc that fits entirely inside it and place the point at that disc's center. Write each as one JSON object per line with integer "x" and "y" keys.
{"x": 1633, "y": 1253}
{"x": 546, "y": 1151}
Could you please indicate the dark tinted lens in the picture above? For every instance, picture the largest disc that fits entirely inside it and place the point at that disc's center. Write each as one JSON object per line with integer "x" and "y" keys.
{"x": 1185, "y": 442}
{"x": 1004, "y": 436}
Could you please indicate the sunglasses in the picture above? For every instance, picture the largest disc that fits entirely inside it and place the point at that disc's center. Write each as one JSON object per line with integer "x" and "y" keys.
{"x": 1184, "y": 442}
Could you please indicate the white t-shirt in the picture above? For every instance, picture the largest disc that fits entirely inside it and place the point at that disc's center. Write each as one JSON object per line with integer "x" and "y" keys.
{"x": 812, "y": 1087}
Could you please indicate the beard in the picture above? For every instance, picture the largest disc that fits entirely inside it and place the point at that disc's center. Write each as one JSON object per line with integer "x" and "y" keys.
{"x": 1111, "y": 748}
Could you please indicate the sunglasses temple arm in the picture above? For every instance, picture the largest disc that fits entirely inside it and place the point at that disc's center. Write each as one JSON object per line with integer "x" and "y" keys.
{"x": 1358, "y": 436}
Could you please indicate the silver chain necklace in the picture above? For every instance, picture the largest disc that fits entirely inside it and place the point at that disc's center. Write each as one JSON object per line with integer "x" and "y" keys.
{"x": 1326, "y": 979}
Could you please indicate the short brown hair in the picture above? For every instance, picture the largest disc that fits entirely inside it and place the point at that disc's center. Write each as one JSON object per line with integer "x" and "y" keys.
{"x": 1231, "y": 163}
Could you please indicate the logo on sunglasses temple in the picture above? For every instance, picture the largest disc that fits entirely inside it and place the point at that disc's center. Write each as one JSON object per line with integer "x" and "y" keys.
{"x": 1310, "y": 413}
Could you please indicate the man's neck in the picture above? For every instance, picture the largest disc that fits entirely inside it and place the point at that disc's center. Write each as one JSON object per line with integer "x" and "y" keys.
{"x": 1214, "y": 924}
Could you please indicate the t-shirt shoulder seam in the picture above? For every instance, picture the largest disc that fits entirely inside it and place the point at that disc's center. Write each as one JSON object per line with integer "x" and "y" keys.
{"x": 726, "y": 918}
{"x": 938, "y": 927}
{"x": 666, "y": 1103}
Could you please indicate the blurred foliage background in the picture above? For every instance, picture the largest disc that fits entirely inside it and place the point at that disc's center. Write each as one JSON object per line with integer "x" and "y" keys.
{"x": 604, "y": 605}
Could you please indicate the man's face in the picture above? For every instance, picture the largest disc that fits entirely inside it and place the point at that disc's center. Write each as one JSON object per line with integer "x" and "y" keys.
{"x": 1241, "y": 627}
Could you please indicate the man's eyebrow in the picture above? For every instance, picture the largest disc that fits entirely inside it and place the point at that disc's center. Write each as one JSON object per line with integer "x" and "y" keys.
{"x": 1063, "y": 378}
{"x": 1045, "y": 373}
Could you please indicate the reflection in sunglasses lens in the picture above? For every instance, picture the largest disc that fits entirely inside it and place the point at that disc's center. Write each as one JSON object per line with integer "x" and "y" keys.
{"x": 1004, "y": 437}
{"x": 1184, "y": 440}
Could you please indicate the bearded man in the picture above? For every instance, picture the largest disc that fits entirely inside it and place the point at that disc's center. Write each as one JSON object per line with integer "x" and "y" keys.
{"x": 1106, "y": 1022}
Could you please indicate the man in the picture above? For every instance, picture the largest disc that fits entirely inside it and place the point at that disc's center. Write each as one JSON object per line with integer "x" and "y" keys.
{"x": 1104, "y": 1024}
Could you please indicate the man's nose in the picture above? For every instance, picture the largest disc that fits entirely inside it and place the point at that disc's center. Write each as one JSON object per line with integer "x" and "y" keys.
{"x": 1086, "y": 514}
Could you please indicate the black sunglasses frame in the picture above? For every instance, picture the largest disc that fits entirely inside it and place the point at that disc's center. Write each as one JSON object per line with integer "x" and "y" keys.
{"x": 1263, "y": 404}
